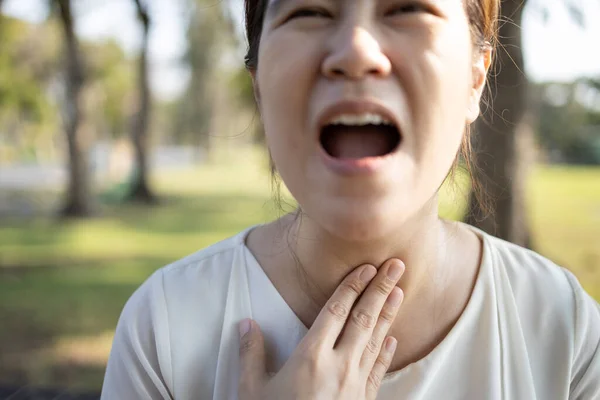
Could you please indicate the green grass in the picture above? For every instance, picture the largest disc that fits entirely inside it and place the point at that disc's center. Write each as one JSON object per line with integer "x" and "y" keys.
{"x": 63, "y": 285}
{"x": 564, "y": 212}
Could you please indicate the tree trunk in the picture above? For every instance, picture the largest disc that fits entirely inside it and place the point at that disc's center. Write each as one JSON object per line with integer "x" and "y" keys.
{"x": 504, "y": 138}
{"x": 140, "y": 190}
{"x": 77, "y": 201}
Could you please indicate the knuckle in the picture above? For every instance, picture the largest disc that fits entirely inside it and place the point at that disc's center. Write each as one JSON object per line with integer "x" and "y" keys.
{"x": 363, "y": 319}
{"x": 384, "y": 287}
{"x": 387, "y": 316}
{"x": 312, "y": 361}
{"x": 373, "y": 345}
{"x": 310, "y": 365}
{"x": 354, "y": 286}
{"x": 374, "y": 381}
{"x": 338, "y": 309}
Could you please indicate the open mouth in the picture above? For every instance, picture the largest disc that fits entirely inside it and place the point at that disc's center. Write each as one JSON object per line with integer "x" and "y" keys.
{"x": 360, "y": 136}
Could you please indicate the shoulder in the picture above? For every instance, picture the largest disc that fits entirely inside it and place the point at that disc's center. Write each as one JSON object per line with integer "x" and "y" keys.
{"x": 203, "y": 273}
{"x": 548, "y": 297}
{"x": 530, "y": 273}
{"x": 554, "y": 315}
{"x": 194, "y": 285}
{"x": 171, "y": 323}
{"x": 213, "y": 262}
{"x": 535, "y": 283}
{"x": 530, "y": 287}
{"x": 208, "y": 268}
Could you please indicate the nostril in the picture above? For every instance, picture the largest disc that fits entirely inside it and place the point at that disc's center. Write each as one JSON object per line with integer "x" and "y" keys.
{"x": 338, "y": 72}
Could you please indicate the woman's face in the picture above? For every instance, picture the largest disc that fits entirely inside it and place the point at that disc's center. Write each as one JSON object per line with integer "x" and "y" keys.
{"x": 364, "y": 105}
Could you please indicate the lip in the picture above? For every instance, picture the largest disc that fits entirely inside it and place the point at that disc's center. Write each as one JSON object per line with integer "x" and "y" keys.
{"x": 355, "y": 166}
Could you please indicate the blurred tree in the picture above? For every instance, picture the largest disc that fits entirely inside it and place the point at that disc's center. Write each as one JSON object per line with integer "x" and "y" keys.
{"x": 504, "y": 140}
{"x": 501, "y": 164}
{"x": 209, "y": 34}
{"x": 31, "y": 82}
{"x": 110, "y": 81}
{"x": 27, "y": 70}
{"x": 78, "y": 199}
{"x": 569, "y": 123}
{"x": 140, "y": 190}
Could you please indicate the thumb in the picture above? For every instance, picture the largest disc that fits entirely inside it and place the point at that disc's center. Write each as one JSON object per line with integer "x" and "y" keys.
{"x": 252, "y": 357}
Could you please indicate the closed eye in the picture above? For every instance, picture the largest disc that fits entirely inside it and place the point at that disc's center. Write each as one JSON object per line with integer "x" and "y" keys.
{"x": 410, "y": 8}
{"x": 310, "y": 13}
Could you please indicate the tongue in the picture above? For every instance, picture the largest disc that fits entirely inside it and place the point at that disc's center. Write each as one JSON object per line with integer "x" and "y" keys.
{"x": 356, "y": 142}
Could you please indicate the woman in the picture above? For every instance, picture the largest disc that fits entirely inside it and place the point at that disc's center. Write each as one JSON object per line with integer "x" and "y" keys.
{"x": 364, "y": 105}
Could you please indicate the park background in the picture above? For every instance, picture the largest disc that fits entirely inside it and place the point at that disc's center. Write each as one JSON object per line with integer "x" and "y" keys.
{"x": 129, "y": 138}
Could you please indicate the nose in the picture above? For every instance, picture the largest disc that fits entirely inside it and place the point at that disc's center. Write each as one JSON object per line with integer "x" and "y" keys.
{"x": 355, "y": 55}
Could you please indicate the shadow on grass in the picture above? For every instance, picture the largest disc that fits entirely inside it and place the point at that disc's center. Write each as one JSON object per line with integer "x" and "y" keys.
{"x": 32, "y": 393}
{"x": 42, "y": 310}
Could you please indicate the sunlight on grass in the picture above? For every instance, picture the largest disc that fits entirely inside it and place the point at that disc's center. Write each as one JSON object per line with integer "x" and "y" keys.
{"x": 564, "y": 211}
{"x": 92, "y": 350}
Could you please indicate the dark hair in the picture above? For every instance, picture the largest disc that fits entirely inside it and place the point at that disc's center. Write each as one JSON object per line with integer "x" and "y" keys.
{"x": 483, "y": 20}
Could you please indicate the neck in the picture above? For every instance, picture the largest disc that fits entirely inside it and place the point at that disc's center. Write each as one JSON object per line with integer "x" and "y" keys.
{"x": 323, "y": 260}
{"x": 307, "y": 264}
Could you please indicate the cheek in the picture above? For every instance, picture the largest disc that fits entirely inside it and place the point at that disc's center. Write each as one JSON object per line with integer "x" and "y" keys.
{"x": 284, "y": 83}
{"x": 285, "y": 80}
{"x": 440, "y": 93}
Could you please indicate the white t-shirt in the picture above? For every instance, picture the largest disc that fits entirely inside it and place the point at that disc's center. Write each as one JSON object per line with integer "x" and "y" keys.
{"x": 529, "y": 331}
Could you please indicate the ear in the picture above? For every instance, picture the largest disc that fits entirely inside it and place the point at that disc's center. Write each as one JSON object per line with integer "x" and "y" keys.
{"x": 481, "y": 66}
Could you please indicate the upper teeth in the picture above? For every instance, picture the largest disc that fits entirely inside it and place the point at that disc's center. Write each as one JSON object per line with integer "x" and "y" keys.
{"x": 360, "y": 119}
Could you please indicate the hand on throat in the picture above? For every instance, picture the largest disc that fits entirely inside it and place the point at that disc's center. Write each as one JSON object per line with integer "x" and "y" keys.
{"x": 317, "y": 261}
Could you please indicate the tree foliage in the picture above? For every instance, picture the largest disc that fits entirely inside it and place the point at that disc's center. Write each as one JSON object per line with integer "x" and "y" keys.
{"x": 569, "y": 122}
{"x": 208, "y": 39}
{"x": 111, "y": 77}
{"x": 28, "y": 62}
{"x": 32, "y": 80}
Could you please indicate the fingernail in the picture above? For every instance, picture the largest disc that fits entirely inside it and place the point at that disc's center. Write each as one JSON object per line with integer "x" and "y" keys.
{"x": 368, "y": 273}
{"x": 394, "y": 270}
{"x": 244, "y": 327}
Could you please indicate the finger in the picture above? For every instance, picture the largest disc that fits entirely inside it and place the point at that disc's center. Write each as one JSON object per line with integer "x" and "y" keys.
{"x": 364, "y": 316}
{"x": 252, "y": 358}
{"x": 330, "y": 321}
{"x": 386, "y": 318}
{"x": 382, "y": 364}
